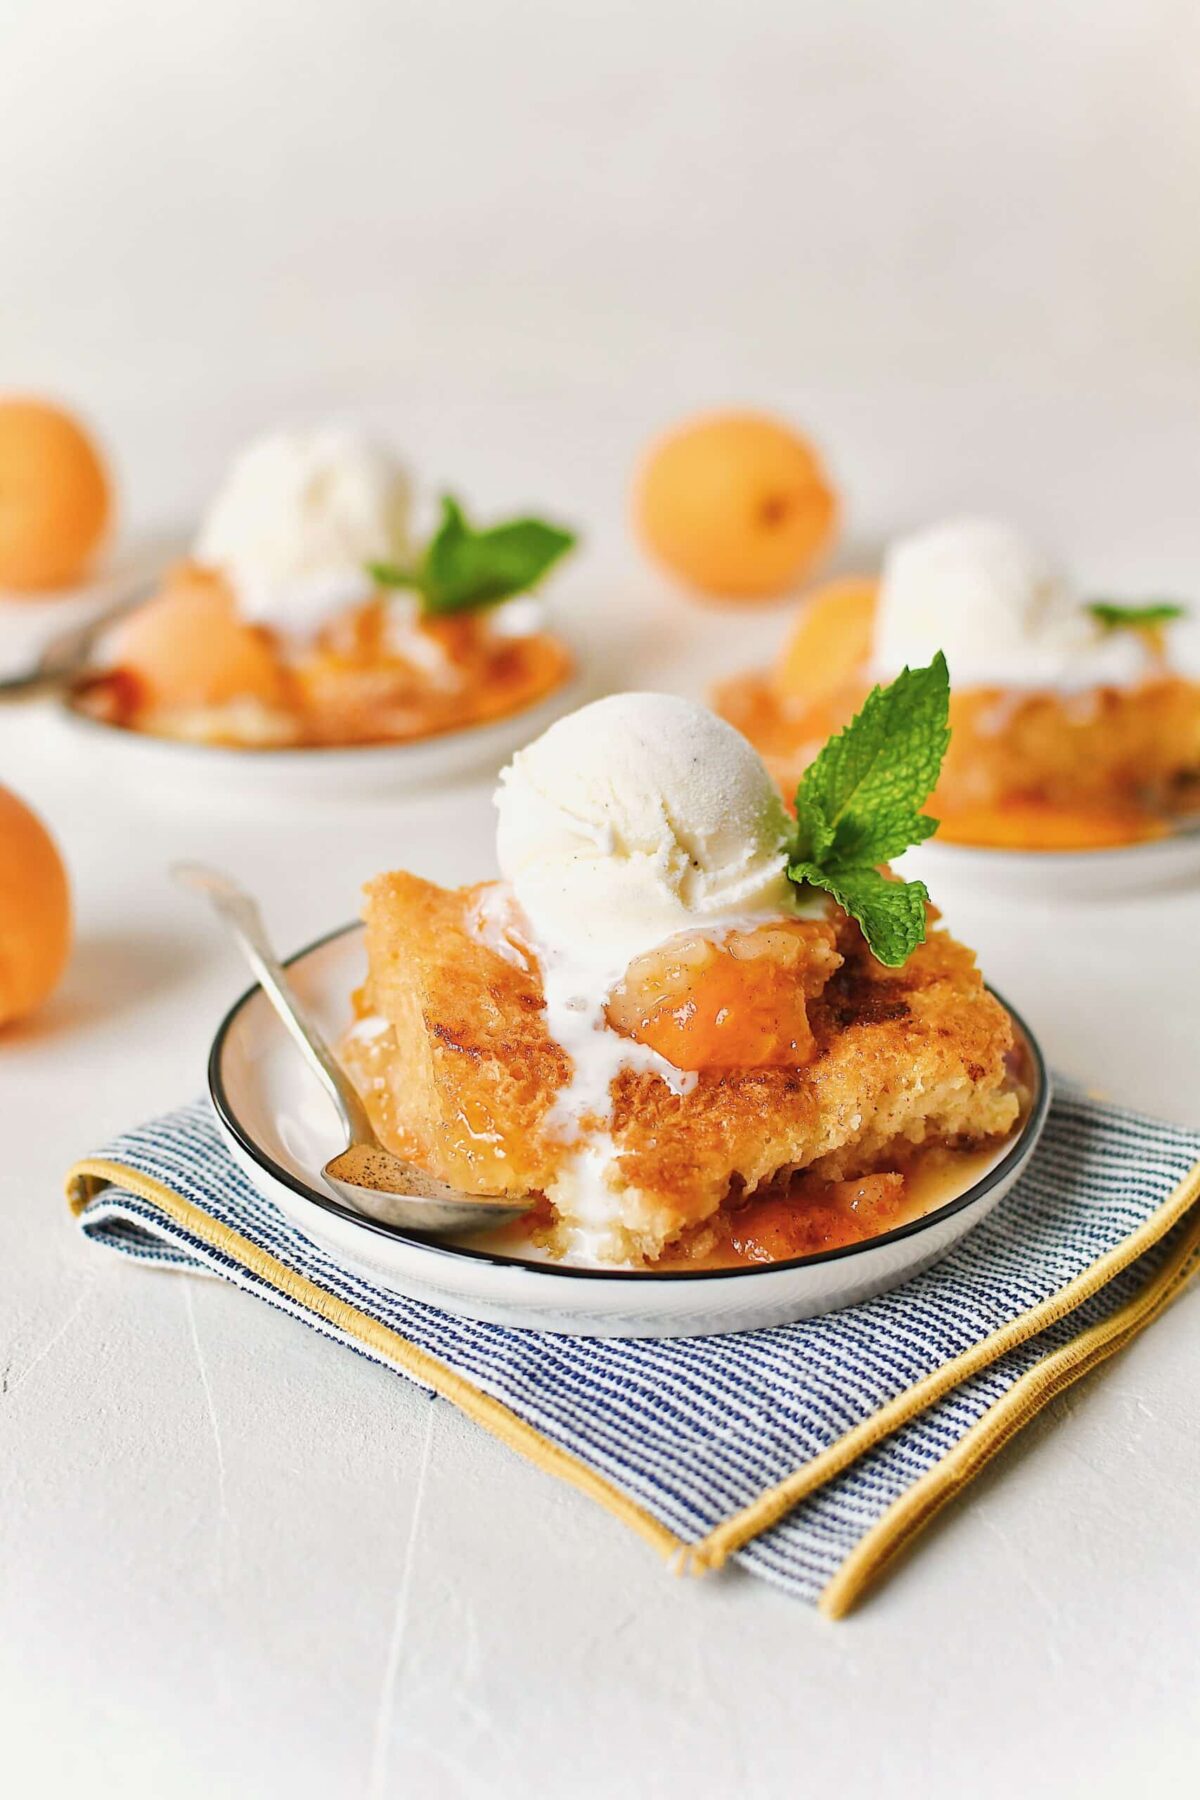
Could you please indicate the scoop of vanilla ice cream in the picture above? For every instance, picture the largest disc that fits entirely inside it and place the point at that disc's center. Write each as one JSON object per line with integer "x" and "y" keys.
{"x": 994, "y": 603}
{"x": 300, "y": 515}
{"x": 634, "y": 819}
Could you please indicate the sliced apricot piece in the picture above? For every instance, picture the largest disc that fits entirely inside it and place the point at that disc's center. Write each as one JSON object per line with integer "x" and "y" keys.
{"x": 815, "y": 1216}
{"x": 188, "y": 647}
{"x": 830, "y": 642}
{"x": 741, "y": 1003}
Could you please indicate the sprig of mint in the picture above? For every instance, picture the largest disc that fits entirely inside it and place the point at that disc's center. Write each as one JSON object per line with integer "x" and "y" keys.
{"x": 1115, "y": 616}
{"x": 461, "y": 568}
{"x": 859, "y": 804}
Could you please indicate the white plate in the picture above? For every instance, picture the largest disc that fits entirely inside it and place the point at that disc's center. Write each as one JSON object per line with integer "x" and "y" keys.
{"x": 223, "y": 775}
{"x": 281, "y": 1129}
{"x": 1069, "y": 875}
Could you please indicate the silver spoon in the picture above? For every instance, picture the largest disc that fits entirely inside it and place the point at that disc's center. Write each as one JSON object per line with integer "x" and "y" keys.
{"x": 65, "y": 657}
{"x": 365, "y": 1175}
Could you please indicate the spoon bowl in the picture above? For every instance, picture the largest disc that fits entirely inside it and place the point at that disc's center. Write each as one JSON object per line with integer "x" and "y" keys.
{"x": 366, "y": 1175}
{"x": 394, "y": 1189}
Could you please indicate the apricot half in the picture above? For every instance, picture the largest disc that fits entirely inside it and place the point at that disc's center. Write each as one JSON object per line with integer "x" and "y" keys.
{"x": 737, "y": 505}
{"x": 739, "y": 1004}
{"x": 830, "y": 643}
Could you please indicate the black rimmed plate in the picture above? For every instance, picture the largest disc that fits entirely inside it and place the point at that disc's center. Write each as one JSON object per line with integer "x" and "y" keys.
{"x": 281, "y": 1129}
{"x": 1065, "y": 875}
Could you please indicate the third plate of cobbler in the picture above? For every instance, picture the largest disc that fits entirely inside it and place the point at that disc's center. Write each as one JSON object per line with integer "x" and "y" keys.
{"x": 740, "y": 1070}
{"x": 1074, "y": 760}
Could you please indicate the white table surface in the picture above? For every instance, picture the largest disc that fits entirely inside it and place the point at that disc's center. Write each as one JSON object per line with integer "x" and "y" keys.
{"x": 236, "y": 1559}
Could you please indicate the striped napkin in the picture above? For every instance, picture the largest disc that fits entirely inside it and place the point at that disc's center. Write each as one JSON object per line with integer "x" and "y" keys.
{"x": 810, "y": 1453}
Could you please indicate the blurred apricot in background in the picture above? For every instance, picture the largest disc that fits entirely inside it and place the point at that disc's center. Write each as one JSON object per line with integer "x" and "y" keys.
{"x": 35, "y": 910}
{"x": 736, "y": 505}
{"x": 55, "y": 497}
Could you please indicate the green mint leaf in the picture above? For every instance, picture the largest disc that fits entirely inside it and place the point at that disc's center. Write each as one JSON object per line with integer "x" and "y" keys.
{"x": 1114, "y": 616}
{"x": 891, "y": 913}
{"x": 815, "y": 832}
{"x": 463, "y": 568}
{"x": 392, "y": 575}
{"x": 859, "y": 804}
{"x": 860, "y": 801}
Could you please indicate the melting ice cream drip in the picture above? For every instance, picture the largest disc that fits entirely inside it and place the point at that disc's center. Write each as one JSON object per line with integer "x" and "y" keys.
{"x": 628, "y": 823}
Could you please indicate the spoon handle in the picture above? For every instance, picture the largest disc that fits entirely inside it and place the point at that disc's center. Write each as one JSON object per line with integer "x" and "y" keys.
{"x": 64, "y": 656}
{"x": 30, "y": 686}
{"x": 239, "y": 912}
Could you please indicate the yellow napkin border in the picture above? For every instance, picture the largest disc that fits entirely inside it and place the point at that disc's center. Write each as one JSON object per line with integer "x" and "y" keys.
{"x": 908, "y": 1515}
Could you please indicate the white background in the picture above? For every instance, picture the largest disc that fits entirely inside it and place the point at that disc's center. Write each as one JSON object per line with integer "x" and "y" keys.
{"x": 960, "y": 245}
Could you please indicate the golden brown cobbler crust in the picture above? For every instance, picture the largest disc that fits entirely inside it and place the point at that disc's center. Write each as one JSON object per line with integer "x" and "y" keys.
{"x": 1102, "y": 747}
{"x": 465, "y": 1073}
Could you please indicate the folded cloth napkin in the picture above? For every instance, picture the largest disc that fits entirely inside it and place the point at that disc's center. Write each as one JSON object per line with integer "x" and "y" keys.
{"x": 810, "y": 1453}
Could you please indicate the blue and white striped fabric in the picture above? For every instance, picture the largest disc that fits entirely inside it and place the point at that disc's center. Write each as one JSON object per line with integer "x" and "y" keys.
{"x": 694, "y": 1430}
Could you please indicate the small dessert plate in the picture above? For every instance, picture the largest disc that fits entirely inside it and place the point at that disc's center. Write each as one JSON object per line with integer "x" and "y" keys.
{"x": 227, "y": 775}
{"x": 281, "y": 1129}
{"x": 1067, "y": 875}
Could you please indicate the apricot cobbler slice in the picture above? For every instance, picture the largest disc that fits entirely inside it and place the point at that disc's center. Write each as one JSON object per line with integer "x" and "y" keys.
{"x": 809, "y": 1065}
{"x": 1092, "y": 747}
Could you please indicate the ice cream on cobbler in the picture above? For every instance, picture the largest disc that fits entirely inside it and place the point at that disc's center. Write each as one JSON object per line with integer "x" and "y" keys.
{"x": 308, "y": 617}
{"x": 1076, "y": 723}
{"x": 685, "y": 1052}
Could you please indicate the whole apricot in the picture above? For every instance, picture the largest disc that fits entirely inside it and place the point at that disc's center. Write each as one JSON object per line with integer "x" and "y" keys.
{"x": 35, "y": 910}
{"x": 55, "y": 496}
{"x": 737, "y": 505}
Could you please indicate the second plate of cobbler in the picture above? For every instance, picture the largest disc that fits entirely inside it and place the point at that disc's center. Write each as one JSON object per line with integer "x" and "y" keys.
{"x": 313, "y": 642}
{"x": 739, "y": 1068}
{"x": 1075, "y": 757}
